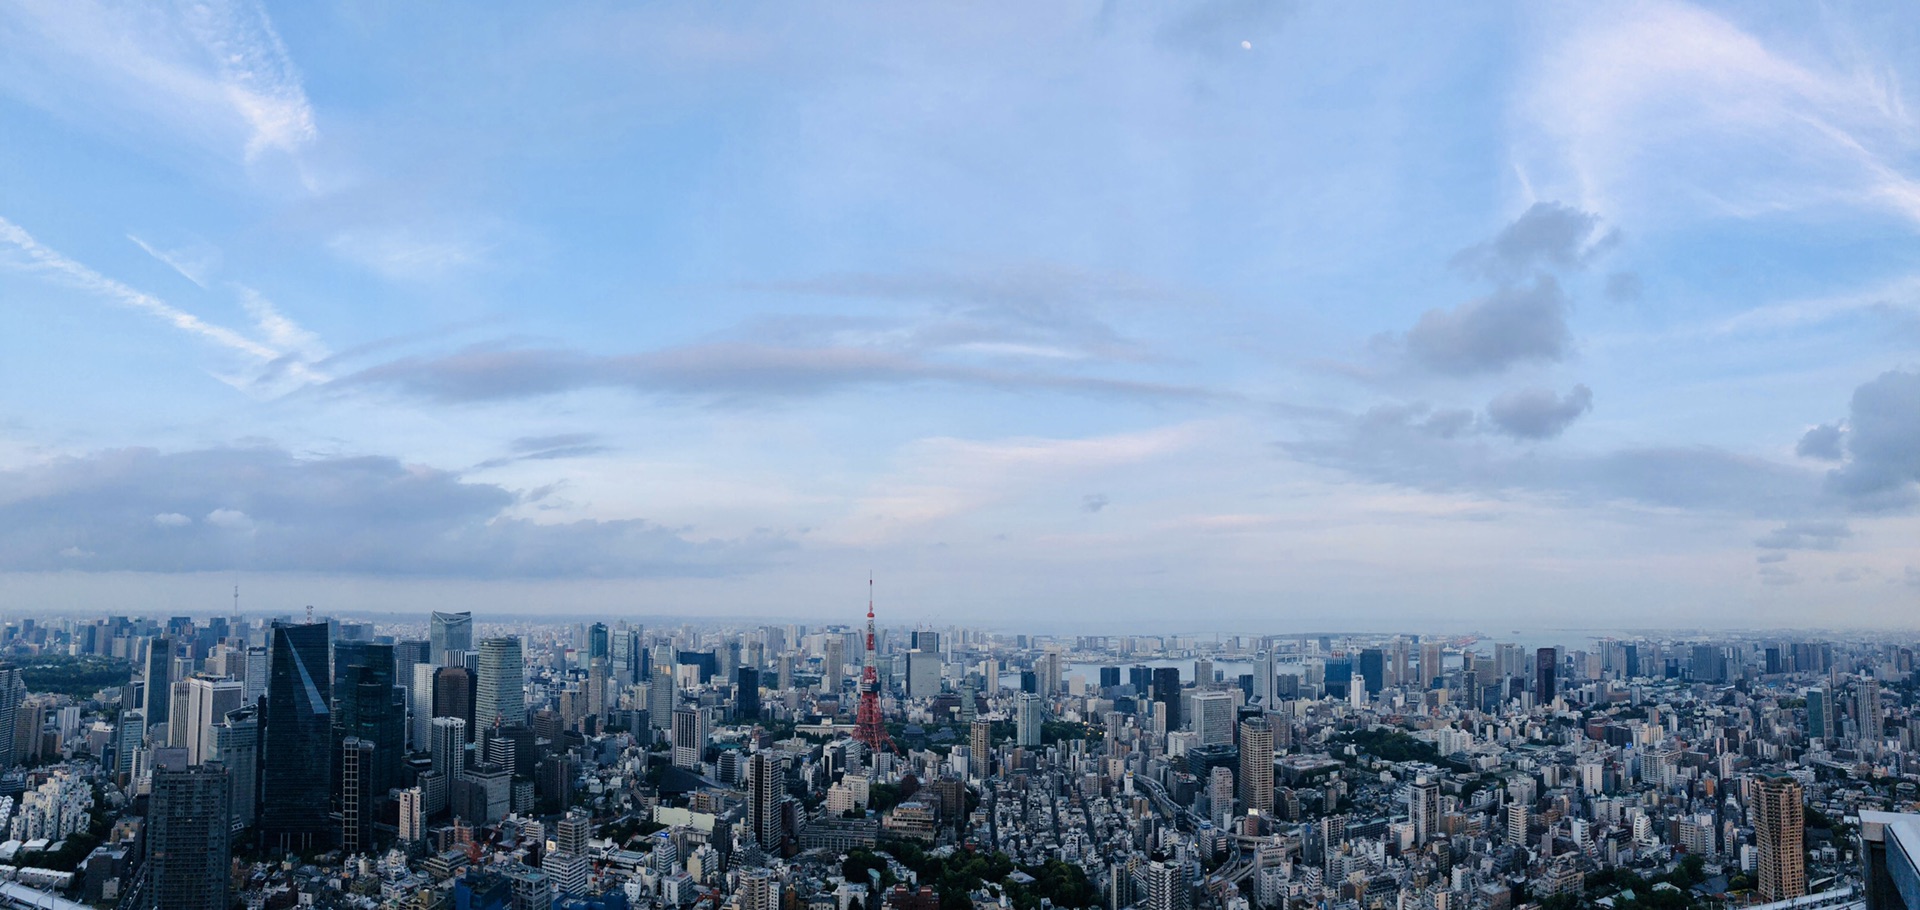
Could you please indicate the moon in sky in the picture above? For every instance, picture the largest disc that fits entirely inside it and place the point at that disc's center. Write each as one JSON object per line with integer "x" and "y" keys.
{"x": 1246, "y": 45}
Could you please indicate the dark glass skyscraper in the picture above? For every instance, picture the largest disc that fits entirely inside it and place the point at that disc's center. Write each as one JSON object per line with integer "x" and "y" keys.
{"x": 1166, "y": 691}
{"x": 187, "y": 838}
{"x": 1373, "y": 669}
{"x": 296, "y": 741}
{"x": 370, "y": 708}
{"x": 1546, "y": 675}
{"x": 747, "y": 696}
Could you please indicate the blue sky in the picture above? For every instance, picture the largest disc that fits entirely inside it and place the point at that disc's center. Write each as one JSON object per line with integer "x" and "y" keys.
{"x": 1243, "y": 316}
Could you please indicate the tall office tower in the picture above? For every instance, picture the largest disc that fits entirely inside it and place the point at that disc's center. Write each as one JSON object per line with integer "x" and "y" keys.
{"x": 453, "y": 695}
{"x": 408, "y": 657}
{"x": 599, "y": 642}
{"x": 1432, "y": 663}
{"x": 13, "y": 691}
{"x": 1213, "y": 718}
{"x": 1779, "y": 831}
{"x": 568, "y": 866}
{"x": 1029, "y": 719}
{"x": 413, "y": 815}
{"x": 746, "y": 697}
{"x": 500, "y": 694}
{"x": 1052, "y": 669}
{"x": 1546, "y": 675}
{"x": 969, "y": 705}
{"x": 1339, "y": 677}
{"x": 1166, "y": 691}
{"x": 371, "y": 708}
{"x": 201, "y": 703}
{"x": 1709, "y": 663}
{"x": 1517, "y": 824}
{"x": 833, "y": 664}
{"x": 1868, "y": 718}
{"x": 1256, "y": 765}
{"x": 451, "y": 637}
{"x": 256, "y": 681}
{"x": 420, "y": 706}
{"x": 662, "y": 697}
{"x": 1423, "y": 808}
{"x": 1140, "y": 678}
{"x": 1373, "y": 669}
{"x": 783, "y": 672}
{"x": 187, "y": 833}
{"x": 1819, "y": 715}
{"x": 1109, "y": 677}
{"x": 689, "y": 735}
{"x": 357, "y": 799}
{"x": 923, "y": 674}
{"x": 128, "y": 735}
{"x": 757, "y": 890}
{"x": 980, "y": 746}
{"x": 296, "y": 740}
{"x": 158, "y": 680}
{"x": 1263, "y": 680}
{"x": 766, "y": 787}
{"x": 1167, "y": 886}
{"x": 447, "y": 747}
{"x": 236, "y": 745}
{"x": 1401, "y": 666}
{"x": 597, "y": 678}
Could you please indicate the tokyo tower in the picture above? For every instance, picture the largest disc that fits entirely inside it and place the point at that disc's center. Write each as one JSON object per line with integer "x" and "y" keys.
{"x": 869, "y": 727}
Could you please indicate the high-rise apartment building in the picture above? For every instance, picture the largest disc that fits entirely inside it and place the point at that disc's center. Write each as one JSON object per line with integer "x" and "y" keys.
{"x": 1255, "y": 781}
{"x": 1779, "y": 834}
{"x": 1423, "y": 808}
{"x": 357, "y": 797}
{"x": 766, "y": 791}
{"x": 689, "y": 735}
{"x": 980, "y": 749}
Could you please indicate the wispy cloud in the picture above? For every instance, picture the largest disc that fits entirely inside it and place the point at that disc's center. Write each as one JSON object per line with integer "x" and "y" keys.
{"x": 195, "y": 263}
{"x": 286, "y": 348}
{"x": 1666, "y": 109}
{"x": 210, "y": 72}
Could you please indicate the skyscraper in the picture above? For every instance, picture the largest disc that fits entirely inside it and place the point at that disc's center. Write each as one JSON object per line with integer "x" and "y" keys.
{"x": 236, "y": 745}
{"x": 357, "y": 796}
{"x": 1779, "y": 832}
{"x": 1213, "y": 718}
{"x": 1166, "y": 691}
{"x": 1255, "y": 780}
{"x": 1263, "y": 679}
{"x": 1546, "y": 675}
{"x": 451, "y": 637}
{"x": 13, "y": 690}
{"x": 199, "y": 704}
{"x": 1373, "y": 669}
{"x": 188, "y": 821}
{"x": 1819, "y": 715}
{"x": 1870, "y": 722}
{"x": 766, "y": 787}
{"x": 453, "y": 695}
{"x": 158, "y": 680}
{"x": 500, "y": 697}
{"x": 372, "y": 709}
{"x": 980, "y": 745}
{"x": 1028, "y": 720}
{"x": 747, "y": 693}
{"x": 296, "y": 738}
{"x": 689, "y": 735}
{"x": 1423, "y": 808}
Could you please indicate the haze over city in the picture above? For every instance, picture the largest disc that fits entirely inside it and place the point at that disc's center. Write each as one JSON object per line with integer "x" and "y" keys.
{"x": 1058, "y": 317}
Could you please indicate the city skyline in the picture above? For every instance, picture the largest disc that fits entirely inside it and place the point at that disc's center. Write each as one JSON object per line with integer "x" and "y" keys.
{"x": 1246, "y": 315}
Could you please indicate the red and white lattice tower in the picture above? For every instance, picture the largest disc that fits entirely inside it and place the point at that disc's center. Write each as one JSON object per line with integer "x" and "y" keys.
{"x": 869, "y": 727}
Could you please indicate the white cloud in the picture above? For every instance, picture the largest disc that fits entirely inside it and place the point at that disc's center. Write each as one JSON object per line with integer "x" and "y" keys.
{"x": 1662, "y": 108}
{"x": 196, "y": 263}
{"x": 406, "y": 255}
{"x": 232, "y": 519}
{"x": 212, "y": 73}
{"x": 172, "y": 520}
{"x": 285, "y": 351}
